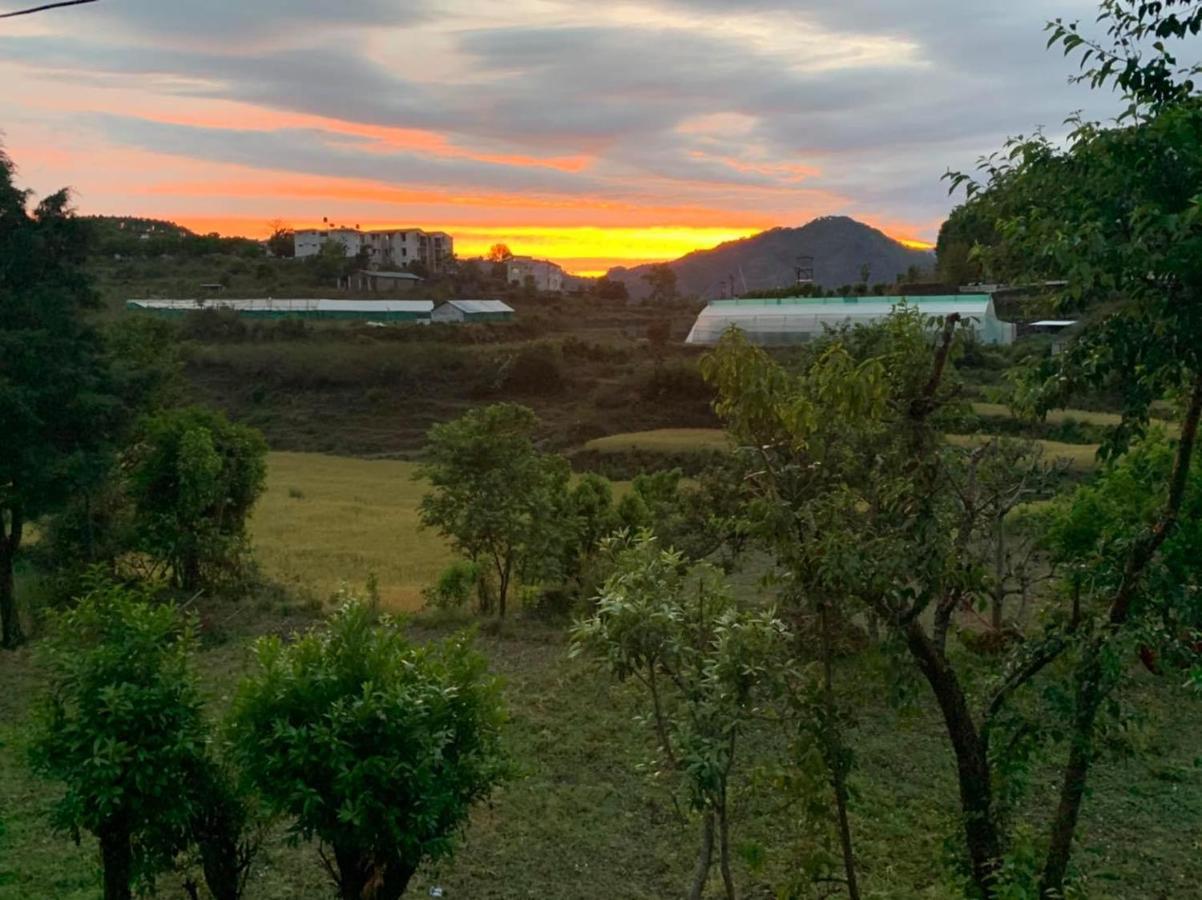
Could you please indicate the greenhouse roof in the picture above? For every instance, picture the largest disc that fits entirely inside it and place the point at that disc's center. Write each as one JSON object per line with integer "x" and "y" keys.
{"x": 481, "y": 306}
{"x": 970, "y": 304}
{"x": 292, "y": 305}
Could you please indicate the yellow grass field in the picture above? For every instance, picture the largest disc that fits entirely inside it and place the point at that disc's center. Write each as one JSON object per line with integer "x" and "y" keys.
{"x": 1060, "y": 416}
{"x": 329, "y": 519}
{"x": 664, "y": 440}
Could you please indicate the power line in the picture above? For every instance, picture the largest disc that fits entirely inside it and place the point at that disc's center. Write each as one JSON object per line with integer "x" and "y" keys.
{"x": 43, "y": 7}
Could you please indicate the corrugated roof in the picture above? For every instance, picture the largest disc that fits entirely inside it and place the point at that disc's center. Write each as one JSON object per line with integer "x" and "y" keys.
{"x": 293, "y": 305}
{"x": 481, "y": 306}
{"x": 408, "y": 276}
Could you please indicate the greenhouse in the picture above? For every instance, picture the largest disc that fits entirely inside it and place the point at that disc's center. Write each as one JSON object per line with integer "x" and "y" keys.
{"x": 796, "y": 320}
{"x": 371, "y": 310}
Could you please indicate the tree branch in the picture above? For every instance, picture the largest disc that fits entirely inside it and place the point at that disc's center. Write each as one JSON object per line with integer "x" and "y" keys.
{"x": 44, "y": 7}
{"x": 1145, "y": 550}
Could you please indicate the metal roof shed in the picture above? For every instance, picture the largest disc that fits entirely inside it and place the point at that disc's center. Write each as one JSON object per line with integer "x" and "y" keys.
{"x": 795, "y": 320}
{"x": 473, "y": 311}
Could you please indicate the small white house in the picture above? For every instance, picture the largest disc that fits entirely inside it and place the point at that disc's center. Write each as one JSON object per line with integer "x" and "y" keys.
{"x": 472, "y": 311}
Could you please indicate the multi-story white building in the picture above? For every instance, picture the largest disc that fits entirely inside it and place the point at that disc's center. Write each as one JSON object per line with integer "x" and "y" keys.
{"x": 310, "y": 241}
{"x": 387, "y": 249}
{"x": 547, "y": 275}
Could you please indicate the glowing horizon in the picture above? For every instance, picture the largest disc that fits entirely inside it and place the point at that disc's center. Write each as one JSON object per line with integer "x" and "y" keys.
{"x": 585, "y": 251}
{"x": 593, "y": 136}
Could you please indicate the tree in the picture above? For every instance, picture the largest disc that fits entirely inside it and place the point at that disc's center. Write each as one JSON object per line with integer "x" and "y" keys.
{"x": 661, "y": 279}
{"x": 122, "y": 729}
{"x": 1112, "y": 214}
{"x": 705, "y": 664}
{"x": 495, "y": 496}
{"x": 659, "y": 332}
{"x": 606, "y": 288}
{"x": 867, "y": 505}
{"x": 282, "y": 240}
{"x": 193, "y": 479}
{"x": 58, "y": 413}
{"x": 374, "y": 747}
{"x": 499, "y": 253}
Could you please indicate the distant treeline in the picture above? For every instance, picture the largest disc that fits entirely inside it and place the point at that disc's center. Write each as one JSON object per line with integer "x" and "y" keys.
{"x": 127, "y": 236}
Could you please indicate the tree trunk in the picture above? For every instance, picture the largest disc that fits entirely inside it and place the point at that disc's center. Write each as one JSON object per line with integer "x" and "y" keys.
{"x": 502, "y": 594}
{"x": 1076, "y": 770}
{"x": 391, "y": 881}
{"x": 1091, "y": 691}
{"x": 352, "y": 874}
{"x": 728, "y": 879}
{"x": 833, "y": 742}
{"x": 11, "y": 634}
{"x": 705, "y": 857}
{"x": 972, "y": 760}
{"x": 999, "y": 573}
{"x": 117, "y": 858}
{"x": 223, "y": 863}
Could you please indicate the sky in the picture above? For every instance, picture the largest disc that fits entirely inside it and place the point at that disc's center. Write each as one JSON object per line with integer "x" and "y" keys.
{"x": 591, "y": 133}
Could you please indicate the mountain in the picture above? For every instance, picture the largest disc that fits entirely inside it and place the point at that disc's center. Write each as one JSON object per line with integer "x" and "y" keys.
{"x": 840, "y": 247}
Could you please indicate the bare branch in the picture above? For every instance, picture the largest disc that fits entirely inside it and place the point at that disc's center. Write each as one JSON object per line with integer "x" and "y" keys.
{"x": 44, "y": 7}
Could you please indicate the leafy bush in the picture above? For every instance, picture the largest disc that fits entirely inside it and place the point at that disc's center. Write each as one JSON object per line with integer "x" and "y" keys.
{"x": 454, "y": 587}
{"x": 373, "y": 746}
{"x": 536, "y": 370}
{"x": 122, "y": 729}
{"x": 194, "y": 477}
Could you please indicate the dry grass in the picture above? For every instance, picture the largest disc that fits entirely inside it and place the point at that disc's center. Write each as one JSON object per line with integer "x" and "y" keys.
{"x": 329, "y": 519}
{"x": 1060, "y": 416}
{"x": 1080, "y": 457}
{"x": 663, "y": 440}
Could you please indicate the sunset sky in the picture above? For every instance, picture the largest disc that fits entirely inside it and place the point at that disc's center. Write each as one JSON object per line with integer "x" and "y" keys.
{"x": 590, "y": 133}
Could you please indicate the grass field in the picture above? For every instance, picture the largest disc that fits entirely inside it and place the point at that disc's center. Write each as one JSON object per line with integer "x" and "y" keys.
{"x": 1079, "y": 457}
{"x": 1055, "y": 417}
{"x": 327, "y": 519}
{"x": 663, "y": 440}
{"x": 583, "y": 819}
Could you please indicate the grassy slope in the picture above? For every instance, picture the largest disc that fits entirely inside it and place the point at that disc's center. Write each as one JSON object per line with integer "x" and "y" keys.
{"x": 582, "y": 819}
{"x": 1080, "y": 457}
{"x": 662, "y": 440}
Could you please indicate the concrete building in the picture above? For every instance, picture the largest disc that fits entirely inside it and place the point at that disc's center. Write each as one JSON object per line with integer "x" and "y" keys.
{"x": 796, "y": 320}
{"x": 310, "y": 241}
{"x": 386, "y": 249}
{"x": 473, "y": 311}
{"x": 414, "y": 311}
{"x": 383, "y": 282}
{"x": 547, "y": 275}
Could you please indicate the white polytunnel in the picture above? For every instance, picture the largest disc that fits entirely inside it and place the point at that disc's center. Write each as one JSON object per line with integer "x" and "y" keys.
{"x": 796, "y": 320}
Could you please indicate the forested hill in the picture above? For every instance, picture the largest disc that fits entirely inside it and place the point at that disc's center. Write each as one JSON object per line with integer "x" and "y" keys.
{"x": 841, "y": 247}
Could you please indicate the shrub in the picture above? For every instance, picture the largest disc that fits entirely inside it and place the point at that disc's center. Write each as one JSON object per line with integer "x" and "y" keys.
{"x": 194, "y": 478}
{"x": 535, "y": 370}
{"x": 375, "y": 747}
{"x": 122, "y": 729}
{"x": 454, "y": 587}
